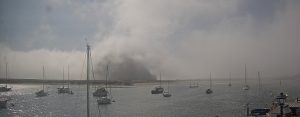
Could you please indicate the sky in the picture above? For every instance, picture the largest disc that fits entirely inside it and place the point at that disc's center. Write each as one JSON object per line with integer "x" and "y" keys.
{"x": 182, "y": 39}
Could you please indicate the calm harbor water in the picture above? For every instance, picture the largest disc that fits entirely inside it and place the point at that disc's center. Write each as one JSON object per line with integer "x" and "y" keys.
{"x": 137, "y": 101}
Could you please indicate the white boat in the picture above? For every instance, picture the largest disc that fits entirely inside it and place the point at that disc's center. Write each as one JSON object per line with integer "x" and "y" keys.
{"x": 246, "y": 86}
{"x": 167, "y": 93}
{"x": 5, "y": 88}
{"x": 209, "y": 91}
{"x": 42, "y": 92}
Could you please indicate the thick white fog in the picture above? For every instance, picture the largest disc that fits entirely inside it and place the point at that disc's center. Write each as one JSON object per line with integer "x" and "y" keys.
{"x": 183, "y": 39}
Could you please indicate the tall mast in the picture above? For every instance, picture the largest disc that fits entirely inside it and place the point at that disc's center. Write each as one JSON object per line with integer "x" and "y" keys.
{"x": 159, "y": 78}
{"x": 6, "y": 73}
{"x": 63, "y": 77}
{"x": 87, "y": 82}
{"x": 68, "y": 77}
{"x": 245, "y": 75}
{"x": 210, "y": 80}
{"x": 259, "y": 80}
{"x": 168, "y": 86}
{"x": 43, "y": 77}
{"x": 230, "y": 78}
{"x": 106, "y": 76}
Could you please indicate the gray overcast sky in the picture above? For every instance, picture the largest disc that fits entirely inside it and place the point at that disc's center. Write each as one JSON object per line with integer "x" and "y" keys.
{"x": 181, "y": 38}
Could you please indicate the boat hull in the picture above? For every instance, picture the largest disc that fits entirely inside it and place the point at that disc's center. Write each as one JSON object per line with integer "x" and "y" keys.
{"x": 246, "y": 87}
{"x": 41, "y": 93}
{"x": 4, "y": 89}
{"x": 167, "y": 94}
{"x": 64, "y": 90}
{"x": 3, "y": 102}
{"x": 104, "y": 100}
{"x": 209, "y": 91}
{"x": 157, "y": 90}
{"x": 102, "y": 92}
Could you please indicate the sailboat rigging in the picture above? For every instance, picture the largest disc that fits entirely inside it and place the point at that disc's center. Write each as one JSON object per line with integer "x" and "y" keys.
{"x": 229, "y": 79}
{"x": 5, "y": 88}
{"x": 88, "y": 54}
{"x": 64, "y": 89}
{"x": 167, "y": 93}
{"x": 209, "y": 91}
{"x": 246, "y": 87}
{"x": 158, "y": 89}
{"x": 42, "y": 92}
{"x": 101, "y": 92}
{"x": 107, "y": 98}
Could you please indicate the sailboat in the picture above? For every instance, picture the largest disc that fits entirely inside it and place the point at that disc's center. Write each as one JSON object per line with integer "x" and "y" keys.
{"x": 158, "y": 89}
{"x": 246, "y": 87}
{"x": 64, "y": 89}
{"x": 69, "y": 90}
{"x": 106, "y": 98}
{"x": 229, "y": 79}
{"x": 102, "y": 92}
{"x": 42, "y": 92}
{"x": 5, "y": 88}
{"x": 209, "y": 91}
{"x": 167, "y": 93}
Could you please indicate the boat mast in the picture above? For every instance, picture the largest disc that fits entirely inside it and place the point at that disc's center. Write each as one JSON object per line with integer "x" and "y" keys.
{"x": 6, "y": 73}
{"x": 63, "y": 77}
{"x": 259, "y": 80}
{"x": 106, "y": 76}
{"x": 160, "y": 79}
{"x": 245, "y": 75}
{"x": 87, "y": 82}
{"x": 43, "y": 77}
{"x": 68, "y": 78}
{"x": 168, "y": 87}
{"x": 229, "y": 78}
{"x": 107, "y": 79}
{"x": 210, "y": 80}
